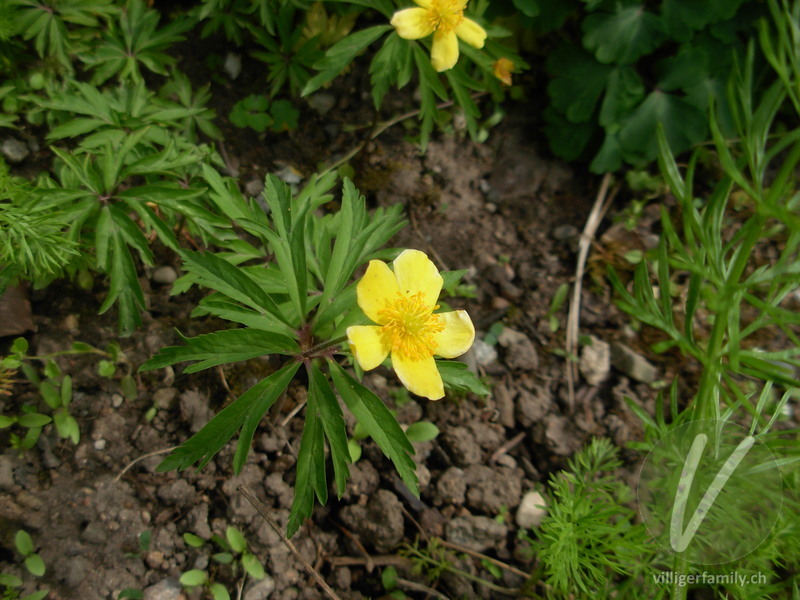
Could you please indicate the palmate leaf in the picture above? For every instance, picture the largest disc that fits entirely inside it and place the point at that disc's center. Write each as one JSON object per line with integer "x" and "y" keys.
{"x": 624, "y": 36}
{"x": 244, "y": 413}
{"x": 578, "y": 84}
{"x": 457, "y": 377}
{"x": 683, "y": 123}
{"x": 379, "y": 422}
{"x": 222, "y": 347}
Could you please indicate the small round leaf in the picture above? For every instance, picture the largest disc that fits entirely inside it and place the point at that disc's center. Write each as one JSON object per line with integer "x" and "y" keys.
{"x": 193, "y": 578}
{"x": 35, "y": 565}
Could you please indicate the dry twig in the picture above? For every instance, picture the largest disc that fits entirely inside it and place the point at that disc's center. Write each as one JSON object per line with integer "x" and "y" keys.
{"x": 601, "y": 204}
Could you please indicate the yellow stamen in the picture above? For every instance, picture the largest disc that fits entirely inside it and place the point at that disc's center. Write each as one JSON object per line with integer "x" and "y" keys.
{"x": 410, "y": 326}
{"x": 445, "y": 15}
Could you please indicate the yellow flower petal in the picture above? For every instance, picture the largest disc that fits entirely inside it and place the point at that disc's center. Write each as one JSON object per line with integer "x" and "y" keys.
{"x": 368, "y": 346}
{"x": 457, "y": 335}
{"x": 376, "y": 289}
{"x": 426, "y": 4}
{"x": 472, "y": 33}
{"x": 444, "y": 52}
{"x": 420, "y": 376}
{"x": 412, "y": 23}
{"x": 415, "y": 272}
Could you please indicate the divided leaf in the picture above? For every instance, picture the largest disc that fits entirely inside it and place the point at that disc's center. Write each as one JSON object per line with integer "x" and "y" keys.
{"x": 244, "y": 413}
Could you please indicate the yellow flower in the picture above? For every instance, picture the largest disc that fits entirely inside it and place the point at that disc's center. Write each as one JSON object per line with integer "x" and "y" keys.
{"x": 446, "y": 21}
{"x": 402, "y": 304}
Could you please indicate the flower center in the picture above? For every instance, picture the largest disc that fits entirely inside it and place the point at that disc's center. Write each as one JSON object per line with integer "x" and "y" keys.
{"x": 446, "y": 15}
{"x": 410, "y": 326}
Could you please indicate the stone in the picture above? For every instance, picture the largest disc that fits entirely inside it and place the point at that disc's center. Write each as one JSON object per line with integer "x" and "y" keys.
{"x": 163, "y": 397}
{"x": 259, "y": 589}
{"x": 476, "y": 533}
{"x": 634, "y": 365}
{"x": 379, "y": 523}
{"x": 459, "y": 442}
{"x": 492, "y": 490}
{"x": 321, "y": 102}
{"x": 451, "y": 488}
{"x": 532, "y": 405}
{"x": 531, "y": 511}
{"x": 14, "y": 150}
{"x": 520, "y": 351}
{"x": 179, "y": 492}
{"x": 233, "y": 64}
{"x": 195, "y": 409}
{"x": 166, "y": 589}
{"x": 595, "y": 362}
{"x": 164, "y": 275}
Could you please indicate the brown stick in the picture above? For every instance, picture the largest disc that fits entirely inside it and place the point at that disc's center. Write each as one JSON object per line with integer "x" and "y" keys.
{"x": 262, "y": 510}
{"x": 601, "y": 204}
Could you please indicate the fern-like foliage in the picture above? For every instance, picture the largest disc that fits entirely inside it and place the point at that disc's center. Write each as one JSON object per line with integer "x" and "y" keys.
{"x": 33, "y": 244}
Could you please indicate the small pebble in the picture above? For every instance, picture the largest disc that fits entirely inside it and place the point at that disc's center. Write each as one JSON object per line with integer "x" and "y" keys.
{"x": 116, "y": 400}
{"x": 165, "y": 275}
{"x": 14, "y": 150}
{"x": 99, "y": 444}
{"x": 530, "y": 512}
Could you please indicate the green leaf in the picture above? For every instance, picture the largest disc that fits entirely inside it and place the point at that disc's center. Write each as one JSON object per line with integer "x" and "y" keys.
{"x": 50, "y": 394}
{"x": 567, "y": 140}
{"x": 341, "y": 54}
{"x": 284, "y": 116}
{"x": 193, "y": 578}
{"x": 578, "y": 83}
{"x": 40, "y": 595}
{"x": 391, "y": 64}
{"x": 10, "y": 580}
{"x": 222, "y": 347}
{"x": 289, "y": 244}
{"x": 33, "y": 420}
{"x": 193, "y": 540}
{"x": 624, "y": 36}
{"x": 332, "y": 423}
{"x": 253, "y": 566}
{"x": 218, "y": 274}
{"x": 354, "y": 448}
{"x": 310, "y": 471}
{"x": 7, "y": 421}
{"x": 684, "y": 125}
{"x": 218, "y": 592}
{"x": 23, "y": 542}
{"x": 624, "y": 90}
{"x": 223, "y": 558}
{"x": 236, "y": 539}
{"x": 66, "y": 426}
{"x": 458, "y": 378}
{"x": 422, "y": 431}
{"x": 35, "y": 565}
{"x": 379, "y": 422}
{"x": 131, "y": 594}
{"x": 389, "y": 578}
{"x": 245, "y": 413}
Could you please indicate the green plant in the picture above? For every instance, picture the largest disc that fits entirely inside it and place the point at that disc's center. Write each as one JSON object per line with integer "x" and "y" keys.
{"x": 133, "y": 41}
{"x": 62, "y": 28}
{"x": 397, "y": 60}
{"x": 300, "y": 306}
{"x": 615, "y": 84}
{"x": 234, "y": 553}
{"x": 258, "y": 113}
{"x": 33, "y": 244}
{"x": 731, "y": 300}
{"x": 55, "y": 389}
{"x": 289, "y": 56}
{"x": 589, "y": 537}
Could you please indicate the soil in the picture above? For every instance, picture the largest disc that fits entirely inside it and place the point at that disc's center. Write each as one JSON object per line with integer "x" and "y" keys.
{"x": 505, "y": 211}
